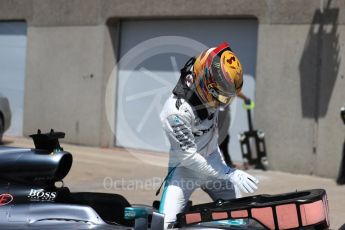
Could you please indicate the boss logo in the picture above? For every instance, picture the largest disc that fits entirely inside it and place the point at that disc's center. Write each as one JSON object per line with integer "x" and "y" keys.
{"x": 41, "y": 195}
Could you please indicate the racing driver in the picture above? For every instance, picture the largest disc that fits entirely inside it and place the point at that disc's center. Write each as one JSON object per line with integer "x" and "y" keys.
{"x": 189, "y": 118}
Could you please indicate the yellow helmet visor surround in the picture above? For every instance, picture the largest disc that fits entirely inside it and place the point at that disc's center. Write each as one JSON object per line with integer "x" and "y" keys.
{"x": 218, "y": 75}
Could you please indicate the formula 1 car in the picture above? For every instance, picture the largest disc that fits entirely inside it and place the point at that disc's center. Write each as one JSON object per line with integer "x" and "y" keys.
{"x": 30, "y": 199}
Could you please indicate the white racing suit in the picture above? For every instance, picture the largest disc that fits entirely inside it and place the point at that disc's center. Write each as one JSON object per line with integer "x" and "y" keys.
{"x": 195, "y": 159}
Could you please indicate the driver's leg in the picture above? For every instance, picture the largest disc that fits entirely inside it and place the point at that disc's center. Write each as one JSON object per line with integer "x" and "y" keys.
{"x": 176, "y": 194}
{"x": 221, "y": 189}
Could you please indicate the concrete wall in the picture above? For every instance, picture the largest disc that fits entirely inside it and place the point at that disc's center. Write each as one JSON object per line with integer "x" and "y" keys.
{"x": 300, "y": 89}
{"x": 331, "y": 130}
{"x": 64, "y": 81}
{"x": 300, "y": 73}
{"x": 278, "y": 94}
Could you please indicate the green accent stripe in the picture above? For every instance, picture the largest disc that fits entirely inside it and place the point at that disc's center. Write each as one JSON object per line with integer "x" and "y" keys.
{"x": 166, "y": 184}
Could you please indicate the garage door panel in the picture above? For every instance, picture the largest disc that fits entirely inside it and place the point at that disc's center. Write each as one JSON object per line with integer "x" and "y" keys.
{"x": 12, "y": 70}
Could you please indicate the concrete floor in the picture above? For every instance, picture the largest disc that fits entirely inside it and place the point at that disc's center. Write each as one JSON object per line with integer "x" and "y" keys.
{"x": 137, "y": 175}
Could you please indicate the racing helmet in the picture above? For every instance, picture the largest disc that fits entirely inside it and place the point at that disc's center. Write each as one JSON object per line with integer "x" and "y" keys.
{"x": 218, "y": 76}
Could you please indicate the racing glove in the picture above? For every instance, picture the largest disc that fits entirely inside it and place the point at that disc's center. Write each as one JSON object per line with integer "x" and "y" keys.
{"x": 244, "y": 181}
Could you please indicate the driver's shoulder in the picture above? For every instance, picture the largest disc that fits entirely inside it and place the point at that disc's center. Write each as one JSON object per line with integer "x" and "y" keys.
{"x": 177, "y": 107}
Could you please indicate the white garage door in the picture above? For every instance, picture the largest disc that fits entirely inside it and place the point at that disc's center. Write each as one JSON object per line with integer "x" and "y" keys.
{"x": 151, "y": 54}
{"x": 12, "y": 70}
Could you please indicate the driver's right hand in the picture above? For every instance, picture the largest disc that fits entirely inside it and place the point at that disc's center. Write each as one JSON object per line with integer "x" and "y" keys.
{"x": 246, "y": 182}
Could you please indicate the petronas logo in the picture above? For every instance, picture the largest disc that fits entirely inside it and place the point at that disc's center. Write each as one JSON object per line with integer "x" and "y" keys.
{"x": 217, "y": 65}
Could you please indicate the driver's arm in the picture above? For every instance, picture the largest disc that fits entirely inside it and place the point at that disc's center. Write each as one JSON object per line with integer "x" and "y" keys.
{"x": 182, "y": 142}
{"x": 179, "y": 132}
